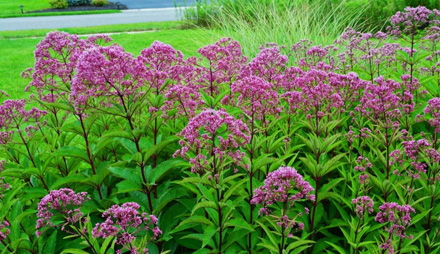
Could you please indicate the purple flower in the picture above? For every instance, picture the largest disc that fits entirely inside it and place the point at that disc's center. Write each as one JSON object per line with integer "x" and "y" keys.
{"x": 363, "y": 204}
{"x": 282, "y": 185}
{"x": 162, "y": 63}
{"x": 107, "y": 75}
{"x": 395, "y": 219}
{"x": 4, "y": 230}
{"x": 186, "y": 99}
{"x": 432, "y": 112}
{"x": 13, "y": 115}
{"x": 63, "y": 201}
{"x": 213, "y": 135}
{"x": 125, "y": 222}
{"x": 256, "y": 97}
{"x": 286, "y": 186}
{"x": 56, "y": 58}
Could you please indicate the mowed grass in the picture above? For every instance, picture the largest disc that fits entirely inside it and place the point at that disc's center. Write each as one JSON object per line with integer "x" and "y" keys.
{"x": 94, "y": 29}
{"x": 10, "y": 8}
{"x": 17, "y": 54}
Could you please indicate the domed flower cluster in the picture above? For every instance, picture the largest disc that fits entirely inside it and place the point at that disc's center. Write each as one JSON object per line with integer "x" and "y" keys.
{"x": 13, "y": 115}
{"x": 282, "y": 185}
{"x": 398, "y": 218}
{"x": 4, "y": 230}
{"x": 363, "y": 204}
{"x": 63, "y": 201}
{"x": 125, "y": 223}
{"x": 213, "y": 135}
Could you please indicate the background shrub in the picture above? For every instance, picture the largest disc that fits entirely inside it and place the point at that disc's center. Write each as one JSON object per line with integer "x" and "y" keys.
{"x": 78, "y": 2}
{"x": 58, "y": 4}
{"x": 99, "y": 2}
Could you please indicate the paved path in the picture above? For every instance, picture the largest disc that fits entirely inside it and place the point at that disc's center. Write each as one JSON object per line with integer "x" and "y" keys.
{"x": 55, "y": 22}
{"x": 143, "y": 4}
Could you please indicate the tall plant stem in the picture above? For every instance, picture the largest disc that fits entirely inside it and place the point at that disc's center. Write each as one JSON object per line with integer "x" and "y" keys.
{"x": 89, "y": 154}
{"x": 251, "y": 175}
{"x": 7, "y": 246}
{"x": 31, "y": 157}
{"x": 283, "y": 237}
{"x": 220, "y": 222}
{"x": 142, "y": 164}
{"x": 315, "y": 204}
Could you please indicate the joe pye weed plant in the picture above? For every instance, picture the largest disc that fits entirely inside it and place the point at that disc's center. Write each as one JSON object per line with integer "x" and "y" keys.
{"x": 299, "y": 148}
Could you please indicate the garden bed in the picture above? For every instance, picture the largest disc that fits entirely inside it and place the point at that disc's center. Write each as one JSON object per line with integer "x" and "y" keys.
{"x": 89, "y": 7}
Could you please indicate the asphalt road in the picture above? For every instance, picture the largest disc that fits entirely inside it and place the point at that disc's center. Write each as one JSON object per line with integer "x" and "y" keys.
{"x": 56, "y": 22}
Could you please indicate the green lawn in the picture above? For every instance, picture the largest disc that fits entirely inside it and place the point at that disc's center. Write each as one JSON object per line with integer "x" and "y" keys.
{"x": 17, "y": 54}
{"x": 12, "y": 7}
{"x": 94, "y": 29}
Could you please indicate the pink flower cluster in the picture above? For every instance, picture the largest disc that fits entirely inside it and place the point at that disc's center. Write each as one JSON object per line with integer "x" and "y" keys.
{"x": 282, "y": 185}
{"x": 185, "y": 99}
{"x": 107, "y": 75}
{"x": 56, "y": 58}
{"x": 416, "y": 151}
{"x": 4, "y": 230}
{"x": 398, "y": 216}
{"x": 162, "y": 63}
{"x": 256, "y": 97}
{"x": 125, "y": 222}
{"x": 381, "y": 102}
{"x": 63, "y": 201}
{"x": 432, "y": 111}
{"x": 412, "y": 17}
{"x": 13, "y": 114}
{"x": 363, "y": 204}
{"x": 213, "y": 134}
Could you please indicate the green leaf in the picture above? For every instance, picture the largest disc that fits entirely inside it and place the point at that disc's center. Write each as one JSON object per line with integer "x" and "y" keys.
{"x": 233, "y": 188}
{"x": 209, "y": 233}
{"x": 239, "y": 224}
{"x": 74, "y": 251}
{"x": 204, "y": 204}
{"x": 338, "y": 248}
{"x": 49, "y": 247}
{"x": 128, "y": 186}
{"x": 72, "y": 151}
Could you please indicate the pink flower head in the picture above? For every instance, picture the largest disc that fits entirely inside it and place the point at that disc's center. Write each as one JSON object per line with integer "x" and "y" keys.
{"x": 381, "y": 102}
{"x": 125, "y": 222}
{"x": 269, "y": 65}
{"x": 185, "y": 99}
{"x": 282, "y": 185}
{"x": 404, "y": 22}
{"x": 224, "y": 60}
{"x": 162, "y": 63}
{"x": 56, "y": 58}
{"x": 395, "y": 219}
{"x": 414, "y": 153}
{"x": 256, "y": 97}
{"x": 432, "y": 113}
{"x": 4, "y": 230}
{"x": 13, "y": 116}
{"x": 64, "y": 202}
{"x": 106, "y": 75}
{"x": 363, "y": 204}
{"x": 213, "y": 135}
